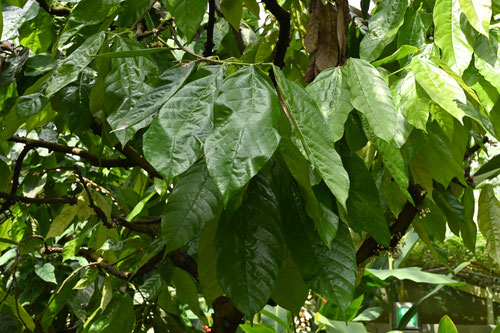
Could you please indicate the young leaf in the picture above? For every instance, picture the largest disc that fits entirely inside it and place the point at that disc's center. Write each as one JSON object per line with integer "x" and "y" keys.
{"x": 382, "y": 28}
{"x": 315, "y": 136}
{"x": 331, "y": 92}
{"x": 194, "y": 201}
{"x": 175, "y": 139}
{"x": 478, "y": 14}
{"x": 249, "y": 248}
{"x": 489, "y": 221}
{"x": 372, "y": 97}
{"x": 188, "y": 14}
{"x": 246, "y": 134}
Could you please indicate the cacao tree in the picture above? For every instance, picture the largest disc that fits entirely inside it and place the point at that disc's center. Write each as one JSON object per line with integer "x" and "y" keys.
{"x": 181, "y": 165}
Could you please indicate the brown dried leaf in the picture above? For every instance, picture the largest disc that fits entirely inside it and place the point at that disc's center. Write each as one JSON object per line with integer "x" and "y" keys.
{"x": 327, "y": 50}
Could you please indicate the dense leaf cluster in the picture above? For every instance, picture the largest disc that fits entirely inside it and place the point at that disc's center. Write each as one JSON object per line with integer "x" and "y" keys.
{"x": 164, "y": 165}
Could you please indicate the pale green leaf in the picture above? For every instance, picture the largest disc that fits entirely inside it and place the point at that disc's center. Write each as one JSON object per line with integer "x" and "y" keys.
{"x": 414, "y": 274}
{"x": 412, "y": 101}
{"x": 331, "y": 92}
{"x": 107, "y": 293}
{"x": 333, "y": 326}
{"x": 486, "y": 57}
{"x": 194, "y": 201}
{"x": 62, "y": 221}
{"x": 252, "y": 6}
{"x": 247, "y": 114}
{"x": 414, "y": 29}
{"x": 315, "y": 136}
{"x": 440, "y": 86}
{"x": 446, "y": 325}
{"x": 450, "y": 34}
{"x": 478, "y": 14}
{"x": 382, "y": 28}
{"x": 175, "y": 139}
{"x": 489, "y": 221}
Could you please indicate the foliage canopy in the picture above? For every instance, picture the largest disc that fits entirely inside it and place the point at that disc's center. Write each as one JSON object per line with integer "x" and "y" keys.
{"x": 177, "y": 165}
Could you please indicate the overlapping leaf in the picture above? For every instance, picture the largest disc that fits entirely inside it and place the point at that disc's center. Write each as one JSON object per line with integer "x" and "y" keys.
{"x": 245, "y": 137}
{"x": 188, "y": 14}
{"x": 489, "y": 221}
{"x": 486, "y": 57}
{"x": 478, "y": 13}
{"x": 413, "y": 101}
{"x": 414, "y": 29}
{"x": 175, "y": 139}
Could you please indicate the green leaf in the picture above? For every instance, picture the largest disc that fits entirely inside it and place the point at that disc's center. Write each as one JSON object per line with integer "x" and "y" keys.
{"x": 414, "y": 29}
{"x": 486, "y": 92}
{"x": 450, "y": 34}
{"x": 61, "y": 222}
{"x": 489, "y": 221}
{"x": 194, "y": 201}
{"x": 382, "y": 28}
{"x": 364, "y": 209}
{"x": 37, "y": 34}
{"x": 107, "y": 293}
{"x": 206, "y": 259}
{"x": 440, "y": 86}
{"x": 414, "y": 274}
{"x": 331, "y": 92}
{"x": 333, "y": 326}
{"x": 187, "y": 291}
{"x": 372, "y": 97}
{"x": 315, "y": 136}
{"x": 74, "y": 64}
{"x": 256, "y": 328}
{"x": 46, "y": 272}
{"x": 245, "y": 137}
{"x": 175, "y": 139}
{"x": 147, "y": 107}
{"x": 249, "y": 248}
{"x": 119, "y": 316}
{"x": 369, "y": 314}
{"x": 123, "y": 87}
{"x": 468, "y": 230}
{"x": 446, "y": 325}
{"x": 402, "y": 52}
{"x": 18, "y": 309}
{"x": 29, "y": 105}
{"x": 489, "y": 170}
{"x": 253, "y": 7}
{"x": 290, "y": 290}
{"x": 413, "y": 101}
{"x": 188, "y": 14}
{"x": 486, "y": 57}
{"x": 132, "y": 53}
{"x": 232, "y": 10}
{"x": 478, "y": 14}
{"x": 57, "y": 302}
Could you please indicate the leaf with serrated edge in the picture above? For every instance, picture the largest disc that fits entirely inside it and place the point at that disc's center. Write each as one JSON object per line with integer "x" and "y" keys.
{"x": 174, "y": 141}
{"x": 489, "y": 221}
{"x": 440, "y": 86}
{"x": 315, "y": 136}
{"x": 194, "y": 201}
{"x": 478, "y": 14}
{"x": 449, "y": 36}
{"x": 246, "y": 130}
{"x": 248, "y": 248}
{"x": 372, "y": 97}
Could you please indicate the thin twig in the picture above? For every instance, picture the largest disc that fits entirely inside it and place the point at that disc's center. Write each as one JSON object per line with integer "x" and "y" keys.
{"x": 143, "y": 14}
{"x": 202, "y": 58}
{"x": 15, "y": 177}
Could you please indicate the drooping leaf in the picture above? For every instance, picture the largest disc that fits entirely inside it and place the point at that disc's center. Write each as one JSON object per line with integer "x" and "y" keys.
{"x": 478, "y": 14}
{"x": 450, "y": 34}
{"x": 487, "y": 57}
{"x": 402, "y": 52}
{"x": 414, "y": 274}
{"x": 119, "y": 316}
{"x": 187, "y": 291}
{"x": 247, "y": 113}
{"x": 315, "y": 136}
{"x": 440, "y": 86}
{"x": 249, "y": 248}
{"x": 414, "y": 29}
{"x": 382, "y": 28}
{"x": 371, "y": 96}
{"x": 194, "y": 201}
{"x": 188, "y": 14}
{"x": 75, "y": 63}
{"x": 331, "y": 92}
{"x": 363, "y": 205}
{"x": 232, "y": 10}
{"x": 413, "y": 101}
{"x": 207, "y": 263}
{"x": 61, "y": 222}
{"x": 468, "y": 230}
{"x": 489, "y": 221}
{"x": 486, "y": 92}
{"x": 488, "y": 170}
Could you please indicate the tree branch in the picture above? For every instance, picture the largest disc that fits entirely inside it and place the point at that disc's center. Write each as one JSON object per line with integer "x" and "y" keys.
{"x": 209, "y": 45}
{"x": 283, "y": 18}
{"x": 370, "y": 247}
{"x": 15, "y": 178}
{"x": 143, "y": 14}
{"x": 39, "y": 201}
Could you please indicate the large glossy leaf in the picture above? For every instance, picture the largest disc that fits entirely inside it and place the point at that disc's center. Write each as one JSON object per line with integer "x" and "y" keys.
{"x": 188, "y": 14}
{"x": 75, "y": 63}
{"x": 440, "y": 86}
{"x": 414, "y": 274}
{"x": 175, "y": 139}
{"x": 194, "y": 201}
{"x": 249, "y": 248}
{"x": 414, "y": 29}
{"x": 371, "y": 96}
{"x": 489, "y": 221}
{"x": 146, "y": 107}
{"x": 123, "y": 87}
{"x": 315, "y": 136}
{"x": 413, "y": 101}
{"x": 331, "y": 92}
{"x": 364, "y": 209}
{"x": 247, "y": 113}
{"x": 486, "y": 58}
{"x": 478, "y": 14}
{"x": 382, "y": 28}
{"x": 450, "y": 34}
{"x": 119, "y": 316}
